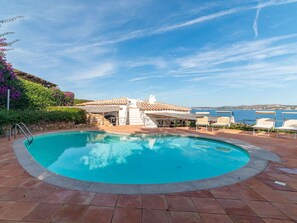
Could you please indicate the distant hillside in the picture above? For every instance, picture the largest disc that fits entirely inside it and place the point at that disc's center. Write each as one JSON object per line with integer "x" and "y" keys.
{"x": 251, "y": 107}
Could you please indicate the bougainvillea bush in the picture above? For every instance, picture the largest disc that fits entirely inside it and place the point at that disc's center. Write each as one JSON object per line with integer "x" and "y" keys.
{"x": 28, "y": 95}
{"x": 63, "y": 98}
{"x": 68, "y": 98}
{"x": 8, "y": 80}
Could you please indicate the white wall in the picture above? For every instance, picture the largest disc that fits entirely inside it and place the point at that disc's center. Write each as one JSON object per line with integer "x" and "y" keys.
{"x": 148, "y": 122}
{"x": 123, "y": 115}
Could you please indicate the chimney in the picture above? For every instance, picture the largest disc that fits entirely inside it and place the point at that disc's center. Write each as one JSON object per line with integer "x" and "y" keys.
{"x": 152, "y": 99}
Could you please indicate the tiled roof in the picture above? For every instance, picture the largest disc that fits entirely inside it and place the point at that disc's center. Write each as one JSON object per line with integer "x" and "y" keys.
{"x": 33, "y": 78}
{"x": 142, "y": 105}
{"x": 100, "y": 109}
{"x": 157, "y": 106}
{"x": 115, "y": 101}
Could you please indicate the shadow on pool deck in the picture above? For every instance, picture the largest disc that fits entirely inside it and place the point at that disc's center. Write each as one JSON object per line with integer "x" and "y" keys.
{"x": 26, "y": 199}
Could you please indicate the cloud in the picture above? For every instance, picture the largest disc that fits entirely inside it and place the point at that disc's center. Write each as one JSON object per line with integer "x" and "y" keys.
{"x": 264, "y": 75}
{"x": 159, "y": 30}
{"x": 101, "y": 70}
{"x": 157, "y": 62}
{"x": 238, "y": 52}
{"x": 263, "y": 5}
{"x": 262, "y": 63}
{"x": 148, "y": 76}
{"x": 139, "y": 78}
{"x": 275, "y": 2}
{"x": 196, "y": 21}
{"x": 255, "y": 24}
{"x": 273, "y": 64}
{"x": 201, "y": 19}
{"x": 216, "y": 15}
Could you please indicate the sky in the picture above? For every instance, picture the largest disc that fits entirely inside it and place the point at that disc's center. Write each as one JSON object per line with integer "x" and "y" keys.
{"x": 185, "y": 52}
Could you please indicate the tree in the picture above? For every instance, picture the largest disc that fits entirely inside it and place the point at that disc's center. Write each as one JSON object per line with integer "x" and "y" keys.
{"x": 8, "y": 78}
{"x": 4, "y": 44}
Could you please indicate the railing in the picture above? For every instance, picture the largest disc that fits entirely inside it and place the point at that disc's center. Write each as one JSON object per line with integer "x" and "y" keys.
{"x": 24, "y": 129}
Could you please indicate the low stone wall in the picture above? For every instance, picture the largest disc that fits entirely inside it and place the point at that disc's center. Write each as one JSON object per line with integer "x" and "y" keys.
{"x": 95, "y": 120}
{"x": 46, "y": 127}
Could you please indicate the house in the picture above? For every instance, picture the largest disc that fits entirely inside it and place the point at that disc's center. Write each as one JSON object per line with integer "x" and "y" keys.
{"x": 128, "y": 111}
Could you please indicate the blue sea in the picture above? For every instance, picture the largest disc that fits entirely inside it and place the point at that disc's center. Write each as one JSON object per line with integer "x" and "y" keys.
{"x": 249, "y": 116}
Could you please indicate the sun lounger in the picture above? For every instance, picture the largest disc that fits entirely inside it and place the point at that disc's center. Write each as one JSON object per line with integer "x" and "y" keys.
{"x": 203, "y": 120}
{"x": 222, "y": 122}
{"x": 289, "y": 125}
{"x": 264, "y": 124}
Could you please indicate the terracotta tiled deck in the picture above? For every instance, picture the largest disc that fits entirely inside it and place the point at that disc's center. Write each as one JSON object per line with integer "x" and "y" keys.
{"x": 26, "y": 199}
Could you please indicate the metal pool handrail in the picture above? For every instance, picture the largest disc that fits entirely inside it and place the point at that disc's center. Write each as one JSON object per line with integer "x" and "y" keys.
{"x": 21, "y": 126}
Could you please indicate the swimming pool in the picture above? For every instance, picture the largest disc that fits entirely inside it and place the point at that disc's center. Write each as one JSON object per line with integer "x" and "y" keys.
{"x": 135, "y": 159}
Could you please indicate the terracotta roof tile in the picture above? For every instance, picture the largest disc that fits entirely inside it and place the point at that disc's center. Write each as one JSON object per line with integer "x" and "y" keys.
{"x": 143, "y": 105}
{"x": 157, "y": 106}
{"x": 33, "y": 78}
{"x": 100, "y": 109}
{"x": 115, "y": 101}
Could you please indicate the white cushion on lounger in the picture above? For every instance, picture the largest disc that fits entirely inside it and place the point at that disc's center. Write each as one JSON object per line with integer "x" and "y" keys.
{"x": 222, "y": 121}
{"x": 289, "y": 125}
{"x": 264, "y": 123}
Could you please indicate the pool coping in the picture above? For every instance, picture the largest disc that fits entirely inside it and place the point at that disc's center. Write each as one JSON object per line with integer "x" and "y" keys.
{"x": 259, "y": 159}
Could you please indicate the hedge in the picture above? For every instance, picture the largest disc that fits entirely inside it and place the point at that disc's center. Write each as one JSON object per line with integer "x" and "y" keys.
{"x": 34, "y": 96}
{"x": 51, "y": 114}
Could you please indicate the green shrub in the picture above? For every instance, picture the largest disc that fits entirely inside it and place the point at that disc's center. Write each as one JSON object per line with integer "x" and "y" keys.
{"x": 71, "y": 114}
{"x": 79, "y": 101}
{"x": 62, "y": 98}
{"x": 51, "y": 114}
{"x": 37, "y": 97}
{"x": 23, "y": 94}
{"x": 241, "y": 126}
{"x": 34, "y": 96}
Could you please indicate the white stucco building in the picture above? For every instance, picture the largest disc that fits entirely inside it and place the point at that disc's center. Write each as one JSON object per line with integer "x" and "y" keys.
{"x": 129, "y": 111}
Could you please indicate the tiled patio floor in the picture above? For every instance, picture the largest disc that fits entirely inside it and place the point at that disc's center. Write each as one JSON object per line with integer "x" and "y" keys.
{"x": 26, "y": 199}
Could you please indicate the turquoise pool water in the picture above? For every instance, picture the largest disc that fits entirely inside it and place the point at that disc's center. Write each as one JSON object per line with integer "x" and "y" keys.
{"x": 109, "y": 158}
